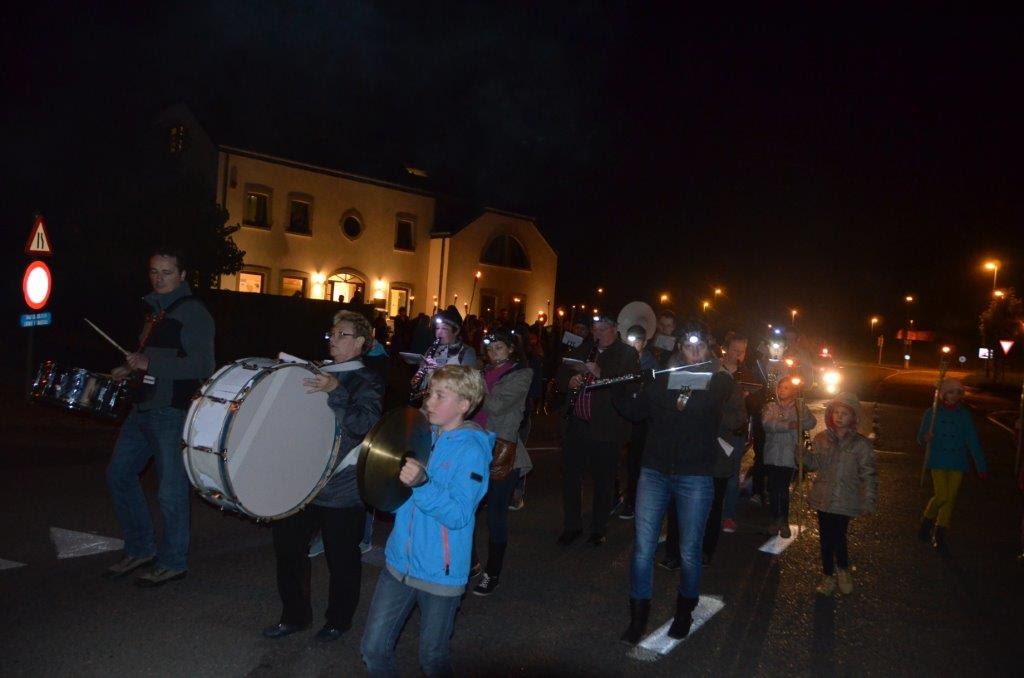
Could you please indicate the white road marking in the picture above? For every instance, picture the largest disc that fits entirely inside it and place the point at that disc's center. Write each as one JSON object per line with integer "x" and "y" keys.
{"x": 992, "y": 418}
{"x": 777, "y": 544}
{"x": 658, "y": 644}
{"x": 10, "y": 564}
{"x": 72, "y": 544}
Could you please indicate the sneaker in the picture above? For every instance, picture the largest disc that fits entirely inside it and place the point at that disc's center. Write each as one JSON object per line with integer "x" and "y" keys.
{"x": 317, "y": 547}
{"x": 729, "y": 525}
{"x": 159, "y": 576}
{"x": 827, "y": 586}
{"x": 125, "y": 566}
{"x": 669, "y": 563}
{"x": 845, "y": 581}
{"x": 784, "y": 530}
{"x": 486, "y": 586}
{"x": 365, "y": 547}
{"x": 628, "y": 512}
{"x": 516, "y": 503}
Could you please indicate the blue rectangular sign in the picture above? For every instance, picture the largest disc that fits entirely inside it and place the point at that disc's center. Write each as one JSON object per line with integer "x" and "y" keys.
{"x": 36, "y": 319}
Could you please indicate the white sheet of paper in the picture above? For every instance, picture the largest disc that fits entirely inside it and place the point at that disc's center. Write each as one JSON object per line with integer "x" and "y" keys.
{"x": 575, "y": 365}
{"x": 571, "y": 339}
{"x": 665, "y": 342}
{"x": 726, "y": 447}
{"x": 411, "y": 358}
{"x": 695, "y": 381}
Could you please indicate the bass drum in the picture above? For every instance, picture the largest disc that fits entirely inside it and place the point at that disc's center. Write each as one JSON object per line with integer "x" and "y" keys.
{"x": 255, "y": 442}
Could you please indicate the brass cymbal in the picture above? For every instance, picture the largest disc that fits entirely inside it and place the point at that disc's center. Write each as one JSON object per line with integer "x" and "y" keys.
{"x": 400, "y": 433}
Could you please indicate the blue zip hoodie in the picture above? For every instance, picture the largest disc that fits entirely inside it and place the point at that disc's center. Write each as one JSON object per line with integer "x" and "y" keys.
{"x": 431, "y": 542}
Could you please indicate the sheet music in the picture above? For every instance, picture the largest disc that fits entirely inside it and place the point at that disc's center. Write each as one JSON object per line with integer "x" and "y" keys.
{"x": 411, "y": 358}
{"x": 695, "y": 381}
{"x": 571, "y": 339}
{"x": 665, "y": 342}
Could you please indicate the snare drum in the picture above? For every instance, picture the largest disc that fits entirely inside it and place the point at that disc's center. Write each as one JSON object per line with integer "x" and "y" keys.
{"x": 70, "y": 387}
{"x": 255, "y": 442}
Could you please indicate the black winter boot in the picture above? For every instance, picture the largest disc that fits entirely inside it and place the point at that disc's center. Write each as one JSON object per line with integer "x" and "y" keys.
{"x": 939, "y": 542}
{"x": 684, "y": 617}
{"x": 925, "y": 532}
{"x": 639, "y": 609}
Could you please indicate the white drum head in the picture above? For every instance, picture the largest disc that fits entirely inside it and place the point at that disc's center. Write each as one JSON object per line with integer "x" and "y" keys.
{"x": 280, "y": 443}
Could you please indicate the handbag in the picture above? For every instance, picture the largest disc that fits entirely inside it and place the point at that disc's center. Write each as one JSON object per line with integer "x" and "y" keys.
{"x": 503, "y": 457}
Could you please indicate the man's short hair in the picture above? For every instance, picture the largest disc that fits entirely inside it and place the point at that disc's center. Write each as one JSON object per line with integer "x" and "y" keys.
{"x": 732, "y": 336}
{"x": 360, "y": 325}
{"x": 465, "y": 381}
{"x": 170, "y": 252}
{"x": 666, "y": 313}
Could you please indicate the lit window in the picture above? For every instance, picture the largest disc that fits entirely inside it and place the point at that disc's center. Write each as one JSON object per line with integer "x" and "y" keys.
{"x": 404, "y": 236}
{"x": 177, "y": 139}
{"x": 292, "y": 286}
{"x": 250, "y": 281}
{"x": 298, "y": 217}
{"x": 505, "y": 251}
{"x": 257, "y": 210}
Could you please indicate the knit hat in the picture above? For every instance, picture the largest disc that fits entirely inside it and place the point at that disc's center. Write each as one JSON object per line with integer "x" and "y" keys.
{"x": 449, "y": 316}
{"x": 848, "y": 399}
{"x": 948, "y": 385}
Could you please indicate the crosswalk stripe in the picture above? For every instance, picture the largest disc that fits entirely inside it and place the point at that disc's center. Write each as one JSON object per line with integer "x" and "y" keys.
{"x": 10, "y": 564}
{"x": 658, "y": 644}
{"x": 777, "y": 544}
{"x": 72, "y": 544}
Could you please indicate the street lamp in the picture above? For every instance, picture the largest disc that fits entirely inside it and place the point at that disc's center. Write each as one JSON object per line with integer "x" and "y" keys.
{"x": 718, "y": 291}
{"x": 664, "y": 297}
{"x": 792, "y": 316}
{"x": 874, "y": 321}
{"x": 907, "y": 342}
{"x": 705, "y": 305}
{"x": 994, "y": 267}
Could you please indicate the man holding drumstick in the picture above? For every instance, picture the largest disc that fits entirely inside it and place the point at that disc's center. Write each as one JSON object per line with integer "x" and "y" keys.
{"x": 174, "y": 357}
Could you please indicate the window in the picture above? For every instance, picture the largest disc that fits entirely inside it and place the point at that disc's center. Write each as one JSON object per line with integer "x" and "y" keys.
{"x": 177, "y": 139}
{"x": 251, "y": 281}
{"x": 346, "y": 288}
{"x": 405, "y": 234}
{"x": 257, "y": 209}
{"x": 299, "y": 215}
{"x": 505, "y": 250}
{"x": 293, "y": 286}
{"x": 398, "y": 297}
{"x": 351, "y": 224}
{"x": 488, "y": 306}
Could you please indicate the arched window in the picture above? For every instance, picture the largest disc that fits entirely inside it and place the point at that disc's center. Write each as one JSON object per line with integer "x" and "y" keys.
{"x": 505, "y": 250}
{"x": 346, "y": 286}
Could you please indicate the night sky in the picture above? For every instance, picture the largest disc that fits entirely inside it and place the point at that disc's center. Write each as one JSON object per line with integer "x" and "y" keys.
{"x": 831, "y": 163}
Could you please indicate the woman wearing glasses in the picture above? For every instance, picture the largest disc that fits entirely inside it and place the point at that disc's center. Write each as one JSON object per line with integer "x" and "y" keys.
{"x": 355, "y": 393}
{"x": 508, "y": 382}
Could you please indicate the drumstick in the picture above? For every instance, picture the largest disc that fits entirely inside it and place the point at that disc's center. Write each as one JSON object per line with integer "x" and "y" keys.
{"x": 107, "y": 337}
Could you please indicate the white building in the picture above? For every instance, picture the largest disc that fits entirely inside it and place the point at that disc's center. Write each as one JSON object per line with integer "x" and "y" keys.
{"x": 324, "y": 233}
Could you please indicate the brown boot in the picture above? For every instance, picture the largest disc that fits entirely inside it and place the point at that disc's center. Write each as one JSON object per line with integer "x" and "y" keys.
{"x": 845, "y": 581}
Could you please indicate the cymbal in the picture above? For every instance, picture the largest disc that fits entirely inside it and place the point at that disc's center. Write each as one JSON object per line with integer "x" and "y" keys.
{"x": 402, "y": 432}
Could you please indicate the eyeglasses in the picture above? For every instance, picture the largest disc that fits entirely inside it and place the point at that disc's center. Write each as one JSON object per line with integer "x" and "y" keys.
{"x": 329, "y": 335}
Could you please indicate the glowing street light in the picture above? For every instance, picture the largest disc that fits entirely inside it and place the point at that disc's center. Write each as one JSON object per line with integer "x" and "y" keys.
{"x": 792, "y": 316}
{"x": 874, "y": 321}
{"x": 946, "y": 350}
{"x": 664, "y": 297}
{"x": 998, "y": 294}
{"x": 993, "y": 266}
{"x": 705, "y": 305}
{"x": 718, "y": 291}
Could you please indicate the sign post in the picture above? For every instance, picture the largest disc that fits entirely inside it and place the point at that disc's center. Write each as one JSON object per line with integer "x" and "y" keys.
{"x": 36, "y": 286}
{"x": 881, "y": 343}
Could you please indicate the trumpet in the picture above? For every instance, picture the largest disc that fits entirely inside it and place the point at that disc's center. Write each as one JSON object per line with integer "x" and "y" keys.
{"x": 416, "y": 383}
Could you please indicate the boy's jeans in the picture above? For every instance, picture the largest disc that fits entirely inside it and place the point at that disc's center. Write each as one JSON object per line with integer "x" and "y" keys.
{"x": 157, "y": 434}
{"x": 392, "y": 603}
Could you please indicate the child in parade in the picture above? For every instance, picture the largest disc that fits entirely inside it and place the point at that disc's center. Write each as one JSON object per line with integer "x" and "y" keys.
{"x": 782, "y": 435}
{"x": 845, "y": 486}
{"x": 952, "y": 439}
{"x": 427, "y": 555}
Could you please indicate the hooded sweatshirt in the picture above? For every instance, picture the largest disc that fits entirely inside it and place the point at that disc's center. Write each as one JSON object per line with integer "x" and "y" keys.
{"x": 845, "y": 482}
{"x": 430, "y": 544}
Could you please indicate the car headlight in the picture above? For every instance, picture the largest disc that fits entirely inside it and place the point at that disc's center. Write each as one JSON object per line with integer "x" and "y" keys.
{"x": 832, "y": 378}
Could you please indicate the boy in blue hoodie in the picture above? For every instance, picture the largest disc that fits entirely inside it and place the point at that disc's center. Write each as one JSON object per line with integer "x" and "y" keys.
{"x": 427, "y": 555}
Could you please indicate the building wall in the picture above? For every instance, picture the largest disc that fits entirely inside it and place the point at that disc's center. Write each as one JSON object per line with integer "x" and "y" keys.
{"x": 327, "y": 250}
{"x": 534, "y": 286}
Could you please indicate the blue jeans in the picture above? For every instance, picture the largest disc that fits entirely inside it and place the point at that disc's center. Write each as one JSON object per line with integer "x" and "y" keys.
{"x": 391, "y": 606}
{"x": 144, "y": 435}
{"x": 693, "y": 496}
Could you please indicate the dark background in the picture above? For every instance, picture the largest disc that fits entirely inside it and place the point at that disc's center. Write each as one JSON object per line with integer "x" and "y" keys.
{"x": 832, "y": 163}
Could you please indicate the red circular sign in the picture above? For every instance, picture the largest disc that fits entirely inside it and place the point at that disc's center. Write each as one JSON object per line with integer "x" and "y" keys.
{"x": 36, "y": 285}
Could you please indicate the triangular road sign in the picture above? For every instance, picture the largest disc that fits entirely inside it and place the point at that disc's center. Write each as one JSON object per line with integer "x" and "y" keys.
{"x": 38, "y": 240}
{"x": 1007, "y": 344}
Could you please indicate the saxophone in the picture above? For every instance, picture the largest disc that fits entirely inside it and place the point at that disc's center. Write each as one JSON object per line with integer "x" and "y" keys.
{"x": 416, "y": 383}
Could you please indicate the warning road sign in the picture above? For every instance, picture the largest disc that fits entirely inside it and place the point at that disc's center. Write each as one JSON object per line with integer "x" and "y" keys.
{"x": 38, "y": 240}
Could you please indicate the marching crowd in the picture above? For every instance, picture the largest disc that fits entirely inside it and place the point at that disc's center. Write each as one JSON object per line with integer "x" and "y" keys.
{"x": 660, "y": 417}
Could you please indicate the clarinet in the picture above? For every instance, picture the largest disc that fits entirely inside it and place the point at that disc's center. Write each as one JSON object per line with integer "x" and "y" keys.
{"x": 416, "y": 383}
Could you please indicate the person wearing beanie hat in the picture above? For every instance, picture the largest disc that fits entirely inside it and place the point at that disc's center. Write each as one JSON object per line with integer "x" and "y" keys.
{"x": 951, "y": 440}
{"x": 447, "y": 349}
{"x": 845, "y": 486}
